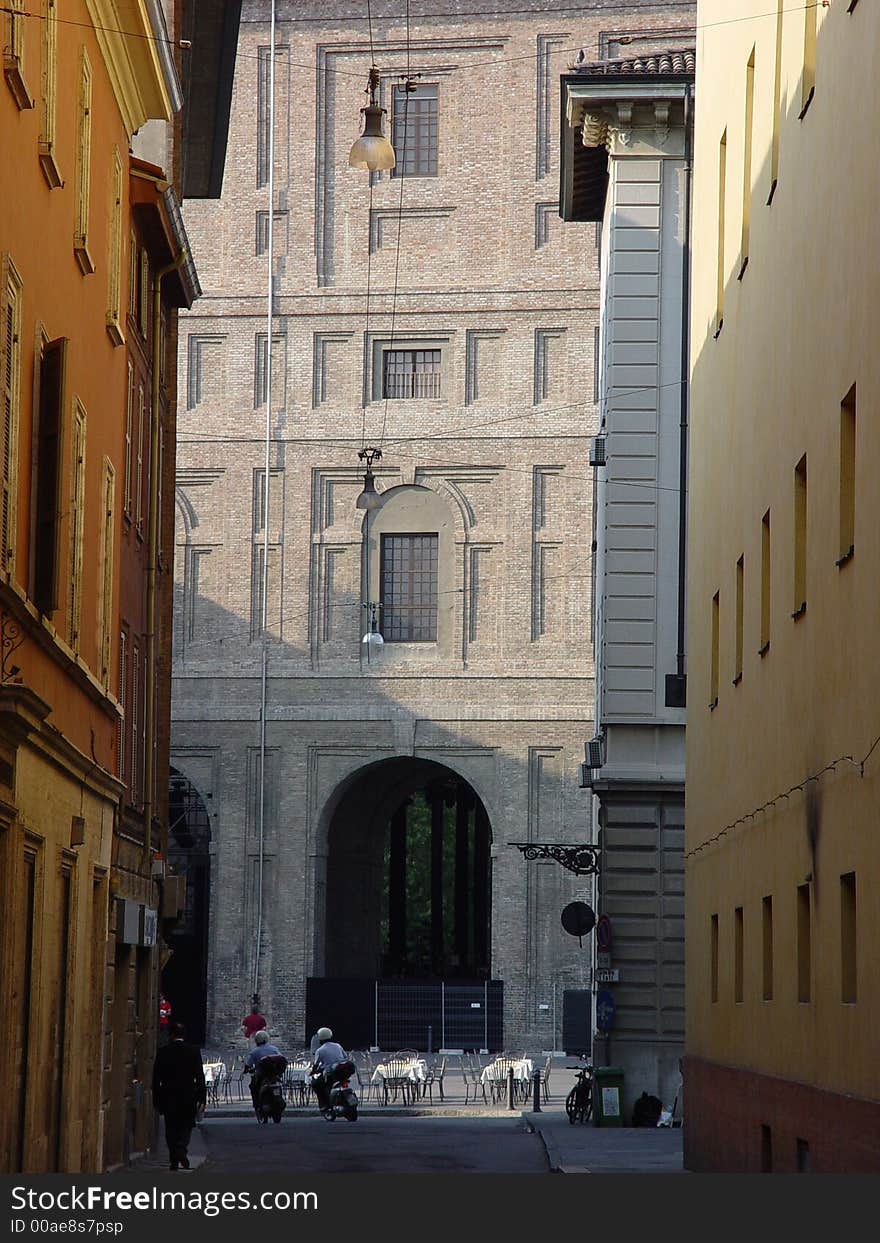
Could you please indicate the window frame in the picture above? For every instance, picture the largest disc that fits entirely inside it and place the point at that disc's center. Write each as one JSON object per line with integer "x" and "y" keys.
{"x": 430, "y": 92}
{"x": 412, "y": 371}
{"x": 411, "y": 604}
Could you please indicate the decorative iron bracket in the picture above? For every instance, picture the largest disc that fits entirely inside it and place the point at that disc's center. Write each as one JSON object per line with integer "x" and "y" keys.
{"x": 12, "y": 638}
{"x": 582, "y": 860}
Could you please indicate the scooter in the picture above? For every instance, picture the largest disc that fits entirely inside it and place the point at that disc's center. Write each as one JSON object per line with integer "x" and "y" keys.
{"x": 343, "y": 1100}
{"x": 270, "y": 1096}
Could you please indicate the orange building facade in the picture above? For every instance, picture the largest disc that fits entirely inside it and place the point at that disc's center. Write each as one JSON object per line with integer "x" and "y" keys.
{"x": 85, "y": 231}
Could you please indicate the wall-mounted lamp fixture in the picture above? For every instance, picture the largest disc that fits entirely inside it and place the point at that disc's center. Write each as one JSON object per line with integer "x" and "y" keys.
{"x": 372, "y": 150}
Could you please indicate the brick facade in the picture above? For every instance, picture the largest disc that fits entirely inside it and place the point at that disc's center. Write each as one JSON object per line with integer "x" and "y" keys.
{"x": 488, "y": 276}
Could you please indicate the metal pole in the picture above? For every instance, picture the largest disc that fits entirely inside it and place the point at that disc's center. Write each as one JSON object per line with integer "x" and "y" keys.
{"x": 510, "y": 1087}
{"x": 536, "y": 1092}
{"x": 265, "y": 574}
{"x": 443, "y": 1014}
{"x": 486, "y": 1015}
{"x": 376, "y": 1014}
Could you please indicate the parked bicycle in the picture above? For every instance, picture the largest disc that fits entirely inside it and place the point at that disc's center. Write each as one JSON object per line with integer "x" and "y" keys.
{"x": 579, "y": 1102}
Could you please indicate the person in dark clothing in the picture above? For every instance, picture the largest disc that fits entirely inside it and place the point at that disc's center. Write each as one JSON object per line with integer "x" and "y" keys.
{"x": 178, "y": 1091}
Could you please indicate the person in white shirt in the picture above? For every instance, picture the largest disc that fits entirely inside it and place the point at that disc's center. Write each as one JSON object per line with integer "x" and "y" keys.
{"x": 328, "y": 1057}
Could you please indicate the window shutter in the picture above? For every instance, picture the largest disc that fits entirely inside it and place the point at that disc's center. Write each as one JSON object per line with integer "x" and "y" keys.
{"x": 52, "y": 372}
{"x": 6, "y": 500}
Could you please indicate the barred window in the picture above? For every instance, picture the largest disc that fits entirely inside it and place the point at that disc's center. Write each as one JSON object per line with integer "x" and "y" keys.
{"x": 414, "y": 118}
{"x": 411, "y": 373}
{"x": 408, "y": 590}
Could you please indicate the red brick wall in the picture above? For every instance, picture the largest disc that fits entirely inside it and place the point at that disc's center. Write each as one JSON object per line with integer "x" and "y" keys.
{"x": 726, "y": 1108}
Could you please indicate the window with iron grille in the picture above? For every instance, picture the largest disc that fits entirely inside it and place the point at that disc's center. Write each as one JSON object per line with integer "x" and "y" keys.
{"x": 411, "y": 373}
{"x": 414, "y": 131}
{"x": 408, "y": 588}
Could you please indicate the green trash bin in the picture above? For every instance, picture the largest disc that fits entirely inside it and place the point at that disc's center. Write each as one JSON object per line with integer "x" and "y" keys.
{"x": 607, "y": 1096}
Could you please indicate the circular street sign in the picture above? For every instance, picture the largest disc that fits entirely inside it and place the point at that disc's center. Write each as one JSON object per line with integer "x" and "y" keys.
{"x": 578, "y": 919}
{"x": 604, "y": 1010}
{"x": 603, "y": 933}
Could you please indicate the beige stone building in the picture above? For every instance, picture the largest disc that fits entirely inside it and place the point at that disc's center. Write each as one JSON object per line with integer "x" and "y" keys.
{"x": 782, "y": 759}
{"x": 399, "y": 778}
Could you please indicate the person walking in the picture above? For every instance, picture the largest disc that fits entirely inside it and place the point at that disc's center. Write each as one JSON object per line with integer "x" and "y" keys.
{"x": 178, "y": 1090}
{"x": 253, "y": 1022}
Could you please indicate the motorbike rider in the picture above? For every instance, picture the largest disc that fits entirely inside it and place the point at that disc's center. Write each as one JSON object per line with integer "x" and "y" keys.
{"x": 263, "y": 1047}
{"x": 324, "y": 1068}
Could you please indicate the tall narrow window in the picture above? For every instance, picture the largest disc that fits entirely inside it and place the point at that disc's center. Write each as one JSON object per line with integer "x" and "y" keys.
{"x": 848, "y": 942}
{"x": 738, "y": 641}
{"x": 133, "y": 714}
{"x": 747, "y": 164}
{"x": 847, "y": 476}
{"x": 114, "y": 255}
{"x": 82, "y": 188}
{"x": 722, "y": 197}
{"x": 408, "y": 588}
{"x": 716, "y": 640}
{"x": 129, "y": 403}
{"x": 804, "y": 948}
{"x": 765, "y": 584}
{"x": 77, "y": 513}
{"x": 122, "y": 723}
{"x": 10, "y": 343}
{"x": 808, "y": 81}
{"x": 738, "y": 954}
{"x": 800, "y": 538}
{"x": 48, "y": 474}
{"x": 713, "y": 957}
{"x": 13, "y": 54}
{"x": 105, "y": 614}
{"x": 414, "y": 130}
{"x": 139, "y": 474}
{"x": 133, "y": 261}
{"x": 49, "y": 92}
{"x": 767, "y": 948}
{"x": 144, "y": 294}
{"x": 777, "y": 104}
{"x": 263, "y": 82}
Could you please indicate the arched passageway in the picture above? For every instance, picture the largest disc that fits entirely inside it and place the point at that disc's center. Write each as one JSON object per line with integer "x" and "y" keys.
{"x": 408, "y": 876}
{"x": 185, "y": 975}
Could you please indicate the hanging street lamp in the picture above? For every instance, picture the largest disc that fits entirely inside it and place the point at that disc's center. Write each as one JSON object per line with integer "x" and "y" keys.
{"x": 369, "y": 497}
{"x": 372, "y": 150}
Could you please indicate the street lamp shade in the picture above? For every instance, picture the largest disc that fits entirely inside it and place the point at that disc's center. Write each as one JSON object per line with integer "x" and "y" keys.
{"x": 374, "y": 638}
{"x": 369, "y": 497}
{"x": 372, "y": 150}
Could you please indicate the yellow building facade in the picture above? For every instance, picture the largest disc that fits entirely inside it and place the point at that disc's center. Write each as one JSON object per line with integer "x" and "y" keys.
{"x": 77, "y": 84}
{"x": 783, "y": 759}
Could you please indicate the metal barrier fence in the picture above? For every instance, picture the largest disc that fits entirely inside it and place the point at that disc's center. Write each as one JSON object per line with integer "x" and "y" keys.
{"x": 409, "y": 1014}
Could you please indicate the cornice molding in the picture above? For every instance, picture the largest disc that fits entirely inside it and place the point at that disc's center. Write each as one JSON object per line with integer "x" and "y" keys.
{"x": 133, "y": 55}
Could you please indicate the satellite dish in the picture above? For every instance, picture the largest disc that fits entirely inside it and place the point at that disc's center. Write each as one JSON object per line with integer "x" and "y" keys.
{"x": 578, "y": 919}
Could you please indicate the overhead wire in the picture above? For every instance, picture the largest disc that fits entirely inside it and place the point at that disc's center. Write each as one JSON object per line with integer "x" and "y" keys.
{"x": 831, "y": 766}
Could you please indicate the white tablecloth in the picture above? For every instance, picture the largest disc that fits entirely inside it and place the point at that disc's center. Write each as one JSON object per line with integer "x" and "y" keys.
{"x": 417, "y": 1072}
{"x": 522, "y": 1069}
{"x": 213, "y": 1070}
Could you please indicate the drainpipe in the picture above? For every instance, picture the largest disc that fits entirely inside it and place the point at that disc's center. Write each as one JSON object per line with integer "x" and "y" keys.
{"x": 681, "y": 655}
{"x": 152, "y": 561}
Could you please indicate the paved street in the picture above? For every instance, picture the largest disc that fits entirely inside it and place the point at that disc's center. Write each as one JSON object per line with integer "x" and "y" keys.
{"x": 373, "y": 1145}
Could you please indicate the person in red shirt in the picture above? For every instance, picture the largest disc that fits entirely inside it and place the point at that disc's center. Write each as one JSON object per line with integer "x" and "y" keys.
{"x": 253, "y": 1022}
{"x": 164, "y": 1018}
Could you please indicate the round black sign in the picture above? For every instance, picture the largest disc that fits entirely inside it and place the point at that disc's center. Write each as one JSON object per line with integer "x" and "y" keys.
{"x": 578, "y": 919}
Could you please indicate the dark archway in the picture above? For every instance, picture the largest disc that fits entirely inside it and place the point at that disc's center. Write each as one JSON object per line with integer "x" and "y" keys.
{"x": 408, "y": 876}
{"x": 185, "y": 975}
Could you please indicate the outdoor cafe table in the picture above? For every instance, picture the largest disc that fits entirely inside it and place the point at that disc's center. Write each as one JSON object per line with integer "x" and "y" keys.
{"x": 416, "y": 1071}
{"x": 213, "y": 1070}
{"x": 522, "y": 1070}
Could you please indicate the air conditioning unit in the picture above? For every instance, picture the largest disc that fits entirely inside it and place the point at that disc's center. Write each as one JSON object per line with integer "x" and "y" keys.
{"x": 594, "y": 751}
{"x": 597, "y": 451}
{"x": 586, "y": 781}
